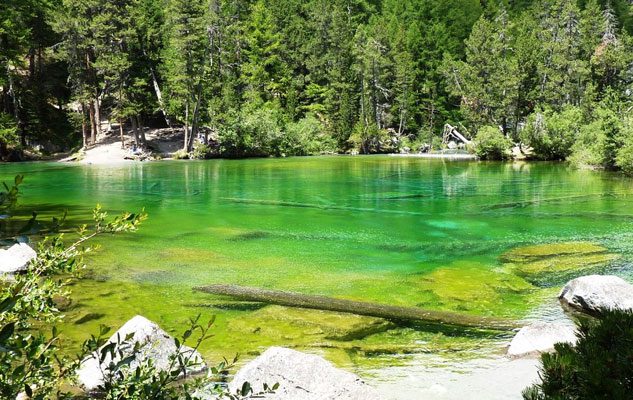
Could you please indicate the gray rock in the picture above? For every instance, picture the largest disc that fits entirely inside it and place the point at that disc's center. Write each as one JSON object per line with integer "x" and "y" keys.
{"x": 301, "y": 377}
{"x": 594, "y": 292}
{"x": 16, "y": 258}
{"x": 155, "y": 345}
{"x": 540, "y": 337}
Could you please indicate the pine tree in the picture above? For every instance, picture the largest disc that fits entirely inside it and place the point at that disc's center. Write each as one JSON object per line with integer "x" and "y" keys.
{"x": 488, "y": 82}
{"x": 264, "y": 72}
{"x": 562, "y": 72}
{"x": 185, "y": 60}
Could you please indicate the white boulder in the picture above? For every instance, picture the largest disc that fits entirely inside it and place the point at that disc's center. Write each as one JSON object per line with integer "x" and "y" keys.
{"x": 155, "y": 345}
{"x": 540, "y": 337}
{"x": 301, "y": 377}
{"x": 594, "y": 292}
{"x": 16, "y": 258}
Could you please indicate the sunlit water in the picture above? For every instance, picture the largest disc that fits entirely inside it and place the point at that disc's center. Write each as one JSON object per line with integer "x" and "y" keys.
{"x": 401, "y": 231}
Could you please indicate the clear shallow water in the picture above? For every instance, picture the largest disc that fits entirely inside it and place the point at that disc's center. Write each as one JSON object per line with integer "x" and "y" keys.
{"x": 400, "y": 231}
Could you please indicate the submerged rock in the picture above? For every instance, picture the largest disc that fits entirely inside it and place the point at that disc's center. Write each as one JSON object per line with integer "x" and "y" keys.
{"x": 540, "y": 337}
{"x": 595, "y": 292}
{"x": 301, "y": 377}
{"x": 155, "y": 345}
{"x": 472, "y": 286}
{"x": 16, "y": 258}
{"x": 546, "y": 264}
{"x": 529, "y": 253}
{"x": 308, "y": 326}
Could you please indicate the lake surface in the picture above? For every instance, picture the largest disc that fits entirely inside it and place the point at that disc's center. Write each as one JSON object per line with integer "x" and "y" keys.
{"x": 400, "y": 231}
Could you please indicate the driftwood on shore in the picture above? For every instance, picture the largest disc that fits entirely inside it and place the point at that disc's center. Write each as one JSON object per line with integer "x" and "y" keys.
{"x": 451, "y": 132}
{"x": 394, "y": 313}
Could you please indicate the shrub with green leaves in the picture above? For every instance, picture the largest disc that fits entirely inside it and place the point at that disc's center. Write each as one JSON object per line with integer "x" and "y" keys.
{"x": 369, "y": 139}
{"x": 201, "y": 151}
{"x": 8, "y": 131}
{"x": 598, "y": 142}
{"x": 252, "y": 133}
{"x": 307, "y": 137}
{"x": 599, "y": 366}
{"x": 624, "y": 155}
{"x": 491, "y": 144}
{"x": 552, "y": 134}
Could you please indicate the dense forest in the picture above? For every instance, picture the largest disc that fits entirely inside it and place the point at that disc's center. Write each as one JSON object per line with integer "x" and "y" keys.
{"x": 247, "y": 78}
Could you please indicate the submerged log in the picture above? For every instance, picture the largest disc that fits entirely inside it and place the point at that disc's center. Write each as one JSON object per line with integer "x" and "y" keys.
{"x": 393, "y": 313}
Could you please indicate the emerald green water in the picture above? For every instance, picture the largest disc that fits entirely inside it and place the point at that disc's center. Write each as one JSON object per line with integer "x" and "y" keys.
{"x": 399, "y": 231}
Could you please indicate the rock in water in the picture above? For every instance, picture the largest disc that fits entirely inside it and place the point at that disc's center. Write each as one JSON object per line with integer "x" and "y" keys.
{"x": 594, "y": 292}
{"x": 301, "y": 377}
{"x": 540, "y": 337}
{"x": 155, "y": 345}
{"x": 556, "y": 263}
{"x": 16, "y": 258}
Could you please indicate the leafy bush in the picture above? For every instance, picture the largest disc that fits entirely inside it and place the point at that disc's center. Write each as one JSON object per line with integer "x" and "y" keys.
{"x": 253, "y": 132}
{"x": 8, "y": 130}
{"x": 369, "y": 139}
{"x": 307, "y": 137}
{"x": 201, "y": 151}
{"x": 598, "y": 142}
{"x": 491, "y": 144}
{"x": 600, "y": 366}
{"x": 624, "y": 155}
{"x": 552, "y": 134}
{"x": 180, "y": 155}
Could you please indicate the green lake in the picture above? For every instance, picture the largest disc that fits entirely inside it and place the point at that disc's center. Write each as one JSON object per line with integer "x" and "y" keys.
{"x": 458, "y": 236}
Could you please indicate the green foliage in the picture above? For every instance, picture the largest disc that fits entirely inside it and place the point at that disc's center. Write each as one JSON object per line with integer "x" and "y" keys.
{"x": 264, "y": 73}
{"x": 307, "y": 137}
{"x": 201, "y": 151}
{"x": 599, "y": 141}
{"x": 31, "y": 361}
{"x": 8, "y": 130}
{"x": 9, "y": 197}
{"x": 489, "y": 80}
{"x": 624, "y": 159}
{"x": 126, "y": 379}
{"x": 491, "y": 144}
{"x": 181, "y": 155}
{"x": 370, "y": 139}
{"x": 552, "y": 134}
{"x": 624, "y": 155}
{"x": 252, "y": 133}
{"x": 598, "y": 367}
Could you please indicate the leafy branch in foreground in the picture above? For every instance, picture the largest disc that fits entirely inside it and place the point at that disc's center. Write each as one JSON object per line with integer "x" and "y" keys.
{"x": 599, "y": 366}
{"x": 29, "y": 360}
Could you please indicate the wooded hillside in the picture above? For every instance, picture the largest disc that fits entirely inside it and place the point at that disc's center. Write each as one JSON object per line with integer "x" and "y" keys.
{"x": 294, "y": 77}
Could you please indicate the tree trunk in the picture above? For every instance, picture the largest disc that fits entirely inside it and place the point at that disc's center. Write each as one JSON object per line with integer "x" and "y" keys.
{"x": 374, "y": 96}
{"x": 195, "y": 126}
{"x": 406, "y": 314}
{"x": 142, "y": 137}
{"x": 121, "y": 133}
{"x": 84, "y": 132}
{"x": 135, "y": 130}
{"x": 93, "y": 124}
{"x": 159, "y": 96}
{"x": 16, "y": 108}
{"x": 98, "y": 117}
{"x": 186, "y": 127}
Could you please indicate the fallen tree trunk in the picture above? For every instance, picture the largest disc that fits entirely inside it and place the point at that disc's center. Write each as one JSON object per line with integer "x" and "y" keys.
{"x": 394, "y": 313}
